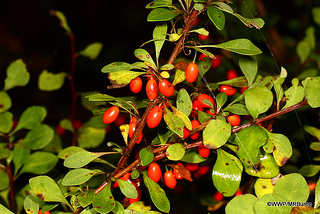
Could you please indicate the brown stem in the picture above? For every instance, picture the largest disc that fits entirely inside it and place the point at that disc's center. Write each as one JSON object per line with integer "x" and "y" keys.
{"x": 72, "y": 85}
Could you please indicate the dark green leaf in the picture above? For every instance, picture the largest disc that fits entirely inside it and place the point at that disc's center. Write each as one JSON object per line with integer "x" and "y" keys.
{"x": 38, "y": 137}
{"x": 49, "y": 81}
{"x": 157, "y": 194}
{"x": 69, "y": 151}
{"x": 20, "y": 155}
{"x": 91, "y": 137}
{"x": 303, "y": 50}
{"x": 216, "y": 16}
{"x": 104, "y": 201}
{"x": 224, "y": 7}
{"x": 184, "y": 102}
{"x": 81, "y": 158}
{"x": 78, "y": 176}
{"x": 159, "y": 35}
{"x": 5, "y": 101}
{"x": 6, "y": 121}
{"x": 192, "y": 156}
{"x": 39, "y": 163}
{"x": 236, "y": 82}
{"x": 203, "y": 65}
{"x": 146, "y": 156}
{"x": 249, "y": 67}
{"x": 312, "y": 86}
{"x": 221, "y": 99}
{"x": 294, "y": 94}
{"x": 278, "y": 86}
{"x": 128, "y": 189}
{"x": 4, "y": 179}
{"x": 86, "y": 198}
{"x": 162, "y": 14}
{"x": 309, "y": 170}
{"x": 258, "y": 100}
{"x": 159, "y": 3}
{"x": 237, "y": 108}
{"x": 117, "y": 66}
{"x": 226, "y": 173}
{"x": 17, "y": 75}
{"x": 31, "y": 118}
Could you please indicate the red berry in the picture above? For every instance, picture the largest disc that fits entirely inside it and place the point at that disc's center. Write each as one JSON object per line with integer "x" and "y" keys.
{"x": 202, "y": 97}
{"x": 195, "y": 21}
{"x": 110, "y": 115}
{"x": 196, "y": 105}
{"x": 231, "y": 74}
{"x": 242, "y": 89}
{"x": 61, "y": 131}
{"x": 176, "y": 174}
{"x": 227, "y": 89}
{"x": 136, "y": 85}
{"x": 312, "y": 186}
{"x": 234, "y": 120}
{"x": 239, "y": 192}
{"x": 204, "y": 37}
{"x": 152, "y": 89}
{"x": 186, "y": 133}
{"x": 120, "y": 120}
{"x": 192, "y": 72}
{"x": 77, "y": 124}
{"x": 195, "y": 124}
{"x": 132, "y": 200}
{"x": 191, "y": 166}
{"x": 218, "y": 196}
{"x": 210, "y": 112}
{"x": 203, "y": 151}
{"x": 166, "y": 88}
{"x": 154, "y": 172}
{"x": 169, "y": 179}
{"x": 132, "y": 128}
{"x": 203, "y": 170}
{"x": 46, "y": 212}
{"x": 202, "y": 56}
{"x": 216, "y": 62}
{"x": 154, "y": 117}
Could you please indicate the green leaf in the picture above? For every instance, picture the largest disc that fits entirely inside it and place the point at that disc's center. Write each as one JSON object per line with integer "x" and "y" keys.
{"x": 4, "y": 179}
{"x": 20, "y": 155}
{"x": 85, "y": 198}
{"x": 192, "y": 156}
{"x": 167, "y": 67}
{"x": 174, "y": 123}
{"x": 221, "y": 99}
{"x": 31, "y": 118}
{"x": 242, "y": 204}
{"x": 4, "y": 210}
{"x": 30, "y": 204}
{"x": 264, "y": 204}
{"x": 62, "y": 19}
{"x": 313, "y": 131}
{"x": 128, "y": 189}
{"x": 184, "y": 102}
{"x": 17, "y": 75}
{"x": 159, "y": 3}
{"x": 258, "y": 100}
{"x": 278, "y": 86}
{"x": 312, "y": 86}
{"x": 293, "y": 186}
{"x": 216, "y": 16}
{"x": 200, "y": 31}
{"x": 162, "y": 14}
{"x": 157, "y": 194}
{"x": 224, "y": 7}
{"x": 6, "y": 121}
{"x": 104, "y": 202}
{"x": 249, "y": 67}
{"x": 204, "y": 66}
{"x": 239, "y": 46}
{"x": 91, "y": 137}
{"x": 46, "y": 189}
{"x": 183, "y": 117}
{"x": 146, "y": 156}
{"x": 282, "y": 150}
{"x": 310, "y": 37}
{"x": 258, "y": 23}
{"x": 236, "y": 82}
{"x": 78, "y": 176}
{"x": 144, "y": 56}
{"x": 226, "y": 173}
{"x": 63, "y": 154}
{"x": 178, "y": 77}
{"x": 117, "y": 66}
{"x": 309, "y": 170}
{"x": 315, "y": 146}
{"x": 159, "y": 35}
{"x": 164, "y": 134}
{"x": 39, "y": 163}
{"x": 294, "y": 94}
{"x": 92, "y": 51}
{"x": 263, "y": 186}
{"x": 120, "y": 79}
{"x": 249, "y": 141}
{"x": 216, "y": 133}
{"x": 317, "y": 195}
{"x": 50, "y": 82}
{"x": 5, "y": 101}
{"x": 303, "y": 50}
{"x": 81, "y": 158}
{"x": 316, "y": 15}
{"x": 67, "y": 125}
{"x": 176, "y": 151}
{"x": 38, "y": 137}
{"x": 238, "y": 109}
{"x": 266, "y": 167}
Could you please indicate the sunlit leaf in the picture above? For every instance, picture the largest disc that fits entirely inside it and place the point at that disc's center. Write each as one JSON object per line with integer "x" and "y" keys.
{"x": 216, "y": 133}
{"x": 128, "y": 189}
{"x": 49, "y": 81}
{"x": 17, "y": 75}
{"x": 312, "y": 87}
{"x": 294, "y": 94}
{"x": 263, "y": 204}
{"x": 282, "y": 150}
{"x": 62, "y": 19}
{"x": 92, "y": 51}
{"x": 263, "y": 187}
{"x": 242, "y": 204}
{"x": 78, "y": 176}
{"x": 176, "y": 151}
{"x": 120, "y": 79}
{"x": 81, "y": 158}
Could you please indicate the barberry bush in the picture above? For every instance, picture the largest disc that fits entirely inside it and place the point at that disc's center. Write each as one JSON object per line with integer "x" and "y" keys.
{"x": 198, "y": 124}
